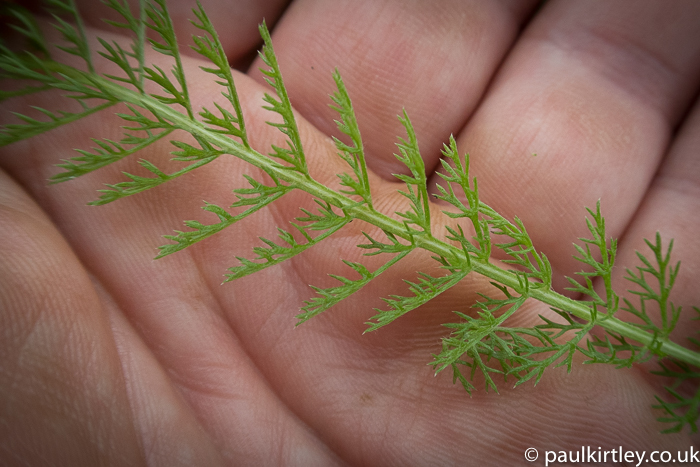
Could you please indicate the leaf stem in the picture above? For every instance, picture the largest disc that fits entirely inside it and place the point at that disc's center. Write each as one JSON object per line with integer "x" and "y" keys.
{"x": 662, "y": 346}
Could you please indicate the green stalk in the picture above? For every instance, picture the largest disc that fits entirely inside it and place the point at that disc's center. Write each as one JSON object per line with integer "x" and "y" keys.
{"x": 366, "y": 213}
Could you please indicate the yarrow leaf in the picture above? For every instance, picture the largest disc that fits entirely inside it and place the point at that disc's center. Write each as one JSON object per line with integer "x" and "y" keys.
{"x": 326, "y": 221}
{"x": 138, "y": 183}
{"x": 294, "y": 153}
{"x": 426, "y": 289}
{"x": 416, "y": 183}
{"x": 210, "y": 47}
{"x": 353, "y": 155}
{"x": 483, "y": 344}
{"x": 74, "y": 34}
{"x": 327, "y": 298}
{"x": 106, "y": 153}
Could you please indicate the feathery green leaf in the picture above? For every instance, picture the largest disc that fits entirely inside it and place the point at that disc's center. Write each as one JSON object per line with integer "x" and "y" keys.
{"x": 482, "y": 345}
{"x": 294, "y": 154}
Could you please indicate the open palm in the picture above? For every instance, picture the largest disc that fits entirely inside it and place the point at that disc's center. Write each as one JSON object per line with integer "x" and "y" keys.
{"x": 110, "y": 357}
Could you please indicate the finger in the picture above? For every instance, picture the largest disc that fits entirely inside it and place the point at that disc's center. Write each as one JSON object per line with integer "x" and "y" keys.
{"x": 175, "y": 304}
{"x": 61, "y": 384}
{"x": 595, "y": 96}
{"x": 383, "y": 404}
{"x": 171, "y": 303}
{"x": 433, "y": 59}
{"x": 668, "y": 209}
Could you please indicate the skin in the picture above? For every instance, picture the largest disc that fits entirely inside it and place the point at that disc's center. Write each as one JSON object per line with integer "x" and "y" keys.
{"x": 110, "y": 358}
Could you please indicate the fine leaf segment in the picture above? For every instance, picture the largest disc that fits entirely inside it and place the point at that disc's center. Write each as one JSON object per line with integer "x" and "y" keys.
{"x": 481, "y": 344}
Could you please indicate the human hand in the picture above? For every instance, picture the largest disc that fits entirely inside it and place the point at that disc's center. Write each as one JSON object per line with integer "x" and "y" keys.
{"x": 111, "y": 357}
